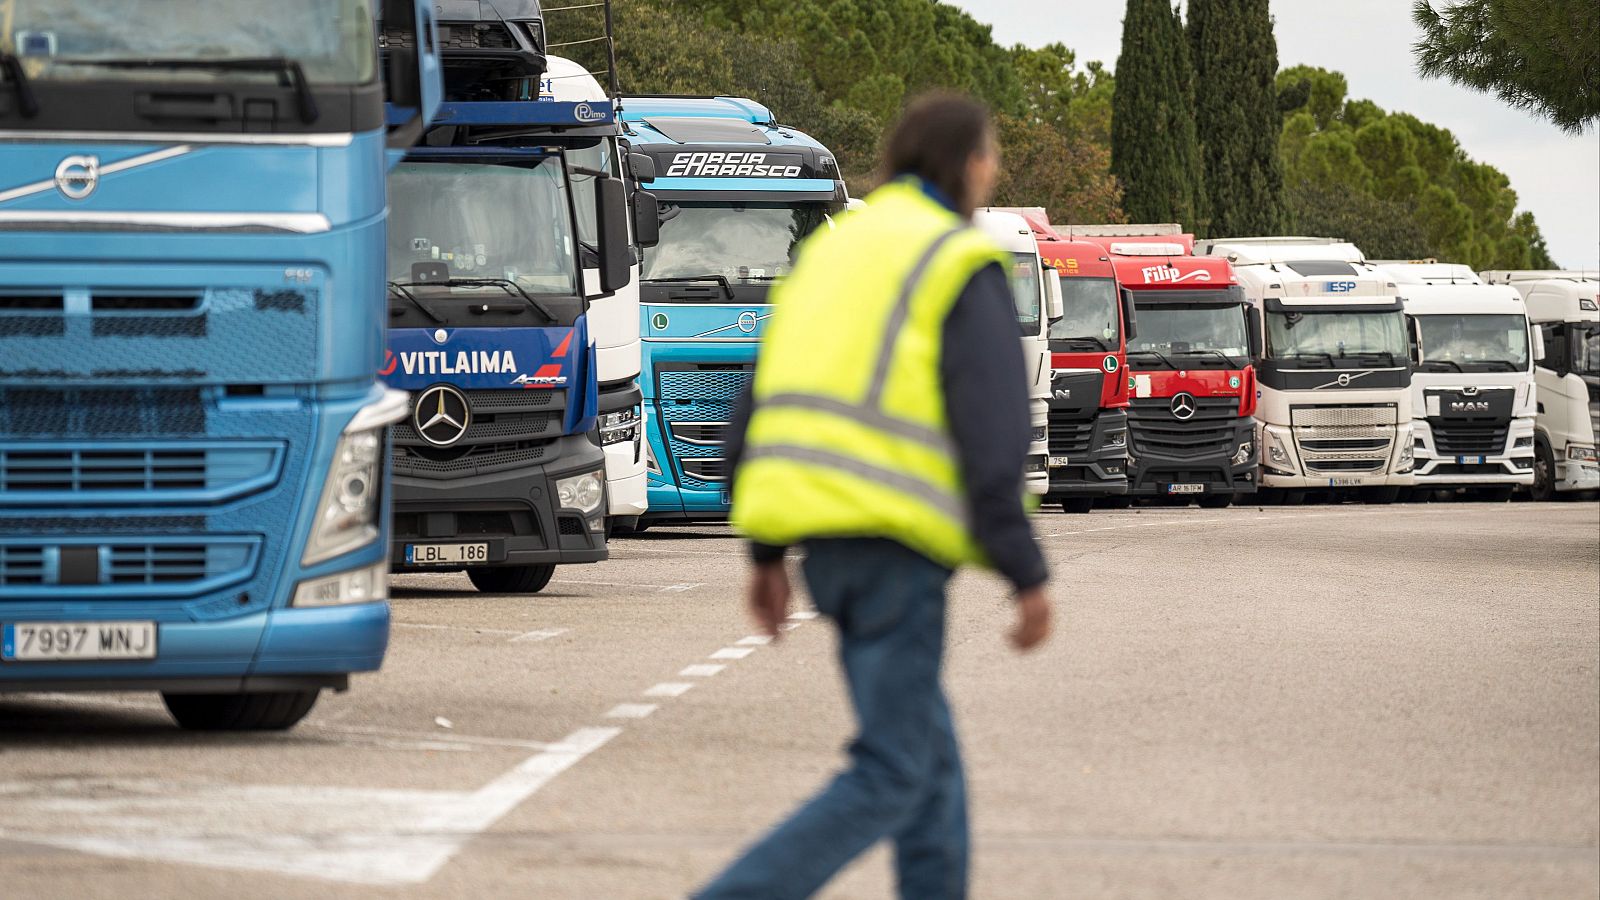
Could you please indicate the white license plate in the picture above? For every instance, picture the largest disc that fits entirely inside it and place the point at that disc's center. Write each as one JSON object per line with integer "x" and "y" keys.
{"x": 1346, "y": 482}
{"x": 442, "y": 554}
{"x": 1469, "y": 460}
{"x": 1057, "y": 462}
{"x": 72, "y": 641}
{"x": 1186, "y": 489}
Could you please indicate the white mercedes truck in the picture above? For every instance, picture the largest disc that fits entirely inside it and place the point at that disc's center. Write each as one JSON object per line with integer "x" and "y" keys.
{"x": 1565, "y": 307}
{"x": 1334, "y": 374}
{"x": 1036, "y": 293}
{"x": 1473, "y": 398}
{"x": 613, "y": 320}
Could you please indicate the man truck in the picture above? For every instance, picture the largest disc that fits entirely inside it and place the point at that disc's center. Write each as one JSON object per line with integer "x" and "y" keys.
{"x": 1565, "y": 307}
{"x": 193, "y": 469}
{"x": 1472, "y": 386}
{"x": 498, "y": 468}
{"x": 1335, "y": 371}
{"x": 737, "y": 192}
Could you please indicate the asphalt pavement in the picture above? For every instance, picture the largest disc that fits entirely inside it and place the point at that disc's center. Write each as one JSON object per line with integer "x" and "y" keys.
{"x": 1339, "y": 701}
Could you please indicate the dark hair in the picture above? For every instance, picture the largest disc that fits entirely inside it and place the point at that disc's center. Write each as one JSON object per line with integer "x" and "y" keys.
{"x": 936, "y": 137}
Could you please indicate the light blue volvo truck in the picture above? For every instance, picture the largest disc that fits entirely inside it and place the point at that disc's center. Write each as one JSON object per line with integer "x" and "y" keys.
{"x": 193, "y": 438}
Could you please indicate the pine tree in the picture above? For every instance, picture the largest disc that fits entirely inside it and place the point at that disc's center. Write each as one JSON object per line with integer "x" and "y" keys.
{"x": 1154, "y": 153}
{"x": 1236, "y": 115}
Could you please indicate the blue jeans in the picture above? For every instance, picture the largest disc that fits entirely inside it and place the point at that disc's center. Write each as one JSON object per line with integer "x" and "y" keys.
{"x": 904, "y": 781}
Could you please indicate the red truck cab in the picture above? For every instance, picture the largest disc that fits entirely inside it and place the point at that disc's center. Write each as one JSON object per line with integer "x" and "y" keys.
{"x": 1191, "y": 431}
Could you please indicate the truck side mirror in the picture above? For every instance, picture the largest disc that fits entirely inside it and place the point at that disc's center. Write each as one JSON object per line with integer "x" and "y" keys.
{"x": 414, "y": 81}
{"x": 646, "y": 219}
{"x": 611, "y": 213}
{"x": 1130, "y": 324}
{"x": 1536, "y": 341}
{"x": 1414, "y": 335}
{"x": 1252, "y": 327}
{"x": 643, "y": 166}
{"x": 1055, "y": 306}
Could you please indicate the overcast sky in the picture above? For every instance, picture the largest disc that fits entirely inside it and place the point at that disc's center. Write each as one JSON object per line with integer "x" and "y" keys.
{"x": 1555, "y": 176}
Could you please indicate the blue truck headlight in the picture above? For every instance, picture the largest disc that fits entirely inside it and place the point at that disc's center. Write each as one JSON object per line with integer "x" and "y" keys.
{"x": 619, "y": 427}
{"x": 1247, "y": 450}
{"x": 1582, "y": 453}
{"x": 581, "y": 492}
{"x": 347, "y": 512}
{"x": 364, "y": 585}
{"x": 1116, "y": 440}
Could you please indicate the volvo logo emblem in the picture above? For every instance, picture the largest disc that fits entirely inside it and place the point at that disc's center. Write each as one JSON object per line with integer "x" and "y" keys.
{"x": 1344, "y": 380}
{"x": 1183, "y": 407}
{"x": 747, "y": 321}
{"x": 442, "y": 415}
{"x": 78, "y": 176}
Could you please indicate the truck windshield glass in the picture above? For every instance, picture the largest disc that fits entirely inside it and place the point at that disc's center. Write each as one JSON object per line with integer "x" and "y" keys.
{"x": 1586, "y": 350}
{"x": 1025, "y": 291}
{"x": 597, "y": 158}
{"x": 1191, "y": 335}
{"x": 477, "y": 222}
{"x": 1334, "y": 339}
{"x": 330, "y": 39}
{"x": 1091, "y": 307}
{"x": 1474, "y": 343}
{"x": 742, "y": 242}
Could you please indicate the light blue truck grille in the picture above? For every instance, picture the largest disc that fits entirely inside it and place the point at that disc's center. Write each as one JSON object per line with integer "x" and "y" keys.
{"x": 695, "y": 410}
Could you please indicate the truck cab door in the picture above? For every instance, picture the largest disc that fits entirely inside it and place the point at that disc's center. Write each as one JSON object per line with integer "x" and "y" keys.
{"x": 414, "y": 80}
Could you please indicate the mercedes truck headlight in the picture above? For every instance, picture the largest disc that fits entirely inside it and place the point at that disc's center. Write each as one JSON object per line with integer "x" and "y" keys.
{"x": 1116, "y": 440}
{"x": 1581, "y": 453}
{"x": 363, "y": 585}
{"x": 581, "y": 492}
{"x": 1247, "y": 450}
{"x": 619, "y": 427}
{"x": 347, "y": 514}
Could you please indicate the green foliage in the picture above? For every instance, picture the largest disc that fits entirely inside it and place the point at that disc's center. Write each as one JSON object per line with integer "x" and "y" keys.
{"x": 1538, "y": 55}
{"x": 1154, "y": 152}
{"x": 1236, "y": 114}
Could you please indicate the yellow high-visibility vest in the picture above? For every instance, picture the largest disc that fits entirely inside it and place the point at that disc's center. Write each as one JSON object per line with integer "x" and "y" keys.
{"x": 848, "y": 436}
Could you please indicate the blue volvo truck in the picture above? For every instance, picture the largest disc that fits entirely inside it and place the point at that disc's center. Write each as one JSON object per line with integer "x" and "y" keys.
{"x": 193, "y": 492}
{"x": 737, "y": 191}
{"x": 498, "y": 467}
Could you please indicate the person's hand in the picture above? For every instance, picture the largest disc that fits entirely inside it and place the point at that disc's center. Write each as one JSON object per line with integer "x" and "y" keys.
{"x": 769, "y": 595}
{"x": 1033, "y": 619}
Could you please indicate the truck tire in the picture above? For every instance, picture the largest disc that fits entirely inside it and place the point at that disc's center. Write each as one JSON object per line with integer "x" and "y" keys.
{"x": 1216, "y": 501}
{"x": 511, "y": 579}
{"x": 1380, "y": 496}
{"x": 275, "y": 711}
{"x": 1077, "y": 505}
{"x": 1544, "y": 471}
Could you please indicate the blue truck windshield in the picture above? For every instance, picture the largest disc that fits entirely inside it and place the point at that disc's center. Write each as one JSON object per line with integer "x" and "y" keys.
{"x": 1333, "y": 339}
{"x": 476, "y": 222}
{"x": 1091, "y": 312}
{"x": 1474, "y": 343}
{"x": 748, "y": 242}
{"x": 332, "y": 40}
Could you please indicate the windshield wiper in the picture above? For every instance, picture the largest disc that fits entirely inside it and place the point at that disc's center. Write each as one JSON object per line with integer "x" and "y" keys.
{"x": 1098, "y": 343}
{"x": 1157, "y": 354}
{"x": 289, "y": 72}
{"x": 11, "y": 68}
{"x": 1313, "y": 354}
{"x": 1206, "y": 350}
{"x": 399, "y": 290}
{"x": 1510, "y": 366}
{"x": 1444, "y": 362}
{"x": 505, "y": 284}
{"x": 1383, "y": 353}
{"x": 696, "y": 279}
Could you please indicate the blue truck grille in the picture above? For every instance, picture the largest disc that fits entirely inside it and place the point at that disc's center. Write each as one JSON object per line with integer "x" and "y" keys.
{"x": 36, "y": 474}
{"x": 100, "y": 412}
{"x": 695, "y": 410}
{"x": 122, "y": 568}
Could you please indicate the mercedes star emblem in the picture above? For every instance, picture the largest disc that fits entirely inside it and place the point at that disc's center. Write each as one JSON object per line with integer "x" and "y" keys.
{"x": 442, "y": 415}
{"x": 1183, "y": 407}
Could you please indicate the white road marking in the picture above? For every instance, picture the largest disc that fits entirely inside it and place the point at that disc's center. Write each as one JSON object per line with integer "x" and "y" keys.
{"x": 680, "y": 588}
{"x": 631, "y": 710}
{"x": 732, "y": 653}
{"x": 789, "y": 626}
{"x": 623, "y": 555}
{"x": 669, "y": 689}
{"x": 803, "y": 615}
{"x": 755, "y": 640}
{"x": 542, "y": 634}
{"x": 467, "y": 628}
{"x": 358, "y": 835}
{"x": 399, "y": 737}
{"x": 705, "y": 670}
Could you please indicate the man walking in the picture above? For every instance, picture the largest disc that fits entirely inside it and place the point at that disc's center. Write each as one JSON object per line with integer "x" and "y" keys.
{"x": 892, "y": 450}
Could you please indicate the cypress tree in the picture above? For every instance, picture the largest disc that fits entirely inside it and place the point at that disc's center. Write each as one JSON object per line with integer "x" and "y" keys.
{"x": 1236, "y": 115}
{"x": 1154, "y": 153}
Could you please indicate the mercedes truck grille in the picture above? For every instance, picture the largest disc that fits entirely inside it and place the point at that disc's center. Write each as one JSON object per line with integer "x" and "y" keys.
{"x": 1210, "y": 431}
{"x": 508, "y": 429}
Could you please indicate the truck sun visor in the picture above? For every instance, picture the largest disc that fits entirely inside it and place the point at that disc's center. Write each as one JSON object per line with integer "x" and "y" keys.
{"x": 1312, "y": 268}
{"x": 690, "y": 130}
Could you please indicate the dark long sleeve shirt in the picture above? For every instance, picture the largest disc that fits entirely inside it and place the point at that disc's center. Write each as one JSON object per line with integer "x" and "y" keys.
{"x": 986, "y": 403}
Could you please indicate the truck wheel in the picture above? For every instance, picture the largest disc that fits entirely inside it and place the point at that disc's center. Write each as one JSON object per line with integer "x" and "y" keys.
{"x": 1544, "y": 472}
{"x": 274, "y": 711}
{"x": 1380, "y": 496}
{"x": 1077, "y": 505}
{"x": 1216, "y": 501}
{"x": 511, "y": 579}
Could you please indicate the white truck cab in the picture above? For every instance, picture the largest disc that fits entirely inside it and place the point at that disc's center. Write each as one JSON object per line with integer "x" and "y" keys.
{"x": 1036, "y": 293}
{"x": 1335, "y": 408}
{"x": 1473, "y": 397}
{"x": 614, "y": 319}
{"x": 1565, "y": 307}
